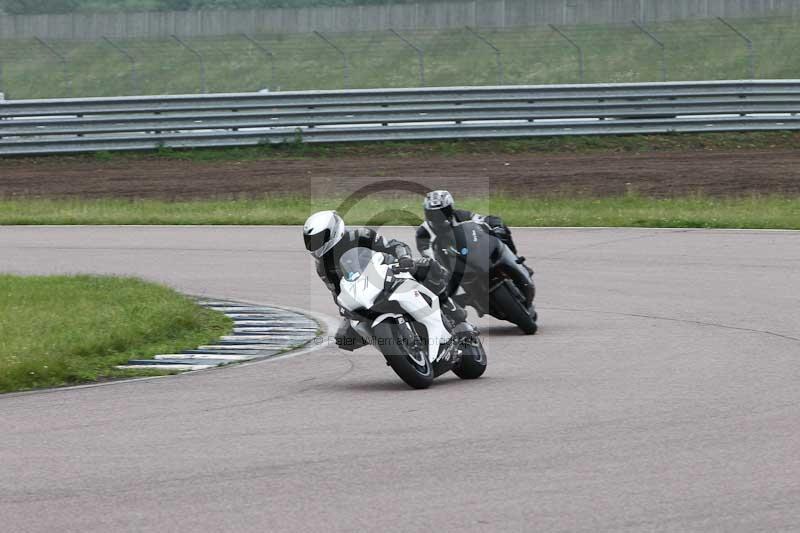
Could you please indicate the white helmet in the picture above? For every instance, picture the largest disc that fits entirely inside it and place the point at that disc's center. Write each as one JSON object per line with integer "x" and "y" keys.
{"x": 322, "y": 231}
{"x": 439, "y": 209}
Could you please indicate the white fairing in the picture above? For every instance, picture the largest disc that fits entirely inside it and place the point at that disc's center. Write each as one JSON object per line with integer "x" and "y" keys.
{"x": 362, "y": 293}
{"x": 409, "y": 296}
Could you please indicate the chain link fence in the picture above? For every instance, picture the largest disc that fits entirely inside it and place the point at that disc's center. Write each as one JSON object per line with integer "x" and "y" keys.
{"x": 710, "y": 49}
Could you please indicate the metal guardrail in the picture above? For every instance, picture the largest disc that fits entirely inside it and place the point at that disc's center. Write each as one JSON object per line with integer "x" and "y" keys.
{"x": 148, "y": 122}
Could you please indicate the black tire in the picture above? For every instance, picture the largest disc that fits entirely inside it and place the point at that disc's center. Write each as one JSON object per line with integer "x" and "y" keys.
{"x": 504, "y": 299}
{"x": 473, "y": 360}
{"x": 405, "y": 353}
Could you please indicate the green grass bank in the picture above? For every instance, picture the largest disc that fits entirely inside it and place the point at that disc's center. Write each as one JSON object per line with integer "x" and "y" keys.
{"x": 693, "y": 50}
{"x": 64, "y": 330}
{"x": 768, "y": 212}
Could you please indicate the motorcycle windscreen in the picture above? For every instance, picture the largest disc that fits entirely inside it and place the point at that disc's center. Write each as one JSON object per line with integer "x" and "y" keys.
{"x": 354, "y": 262}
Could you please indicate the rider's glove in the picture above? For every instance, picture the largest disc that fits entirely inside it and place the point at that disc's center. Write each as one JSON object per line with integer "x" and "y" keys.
{"x": 405, "y": 264}
{"x": 500, "y": 232}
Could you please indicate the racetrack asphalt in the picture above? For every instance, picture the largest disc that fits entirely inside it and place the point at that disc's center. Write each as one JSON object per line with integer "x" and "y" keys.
{"x": 661, "y": 394}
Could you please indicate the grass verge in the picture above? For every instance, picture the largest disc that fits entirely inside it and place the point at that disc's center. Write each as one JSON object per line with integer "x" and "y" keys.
{"x": 692, "y": 50}
{"x": 63, "y": 330}
{"x": 773, "y": 212}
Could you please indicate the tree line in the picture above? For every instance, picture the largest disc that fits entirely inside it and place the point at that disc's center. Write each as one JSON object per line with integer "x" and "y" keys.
{"x": 35, "y": 7}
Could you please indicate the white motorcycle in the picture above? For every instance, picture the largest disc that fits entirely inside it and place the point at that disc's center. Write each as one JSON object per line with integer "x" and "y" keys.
{"x": 402, "y": 319}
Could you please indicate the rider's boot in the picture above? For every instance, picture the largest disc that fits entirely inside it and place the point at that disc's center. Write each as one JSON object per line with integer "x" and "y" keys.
{"x": 465, "y": 331}
{"x": 454, "y": 312}
{"x": 458, "y": 316}
{"x": 347, "y": 338}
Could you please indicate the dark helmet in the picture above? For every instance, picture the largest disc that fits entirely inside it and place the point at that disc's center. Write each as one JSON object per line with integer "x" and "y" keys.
{"x": 439, "y": 210}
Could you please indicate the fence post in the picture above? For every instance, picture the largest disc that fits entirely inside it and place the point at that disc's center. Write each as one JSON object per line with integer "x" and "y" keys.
{"x": 497, "y": 53}
{"x": 63, "y": 60}
{"x": 660, "y": 45}
{"x": 200, "y": 59}
{"x": 134, "y": 81}
{"x": 420, "y": 56}
{"x": 345, "y": 60}
{"x": 750, "y": 48}
{"x": 269, "y": 54}
{"x": 581, "y": 71}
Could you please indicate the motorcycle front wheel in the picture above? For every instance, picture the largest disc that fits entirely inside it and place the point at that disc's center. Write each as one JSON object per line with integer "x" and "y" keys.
{"x": 405, "y": 352}
{"x": 507, "y": 299}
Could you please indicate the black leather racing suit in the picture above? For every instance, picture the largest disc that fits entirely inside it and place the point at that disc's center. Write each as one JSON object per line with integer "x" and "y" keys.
{"x": 425, "y": 237}
{"x": 425, "y": 234}
{"x": 426, "y": 270}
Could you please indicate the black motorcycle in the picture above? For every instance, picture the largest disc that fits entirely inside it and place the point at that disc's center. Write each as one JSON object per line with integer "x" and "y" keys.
{"x": 487, "y": 275}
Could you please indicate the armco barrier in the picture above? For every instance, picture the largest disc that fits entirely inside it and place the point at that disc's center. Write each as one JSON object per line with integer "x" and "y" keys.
{"x": 147, "y": 122}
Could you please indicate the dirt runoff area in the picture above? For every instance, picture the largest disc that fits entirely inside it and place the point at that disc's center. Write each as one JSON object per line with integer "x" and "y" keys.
{"x": 656, "y": 174}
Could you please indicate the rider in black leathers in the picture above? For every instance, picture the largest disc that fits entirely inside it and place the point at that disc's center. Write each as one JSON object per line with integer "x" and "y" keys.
{"x": 440, "y": 212}
{"x": 327, "y": 238}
